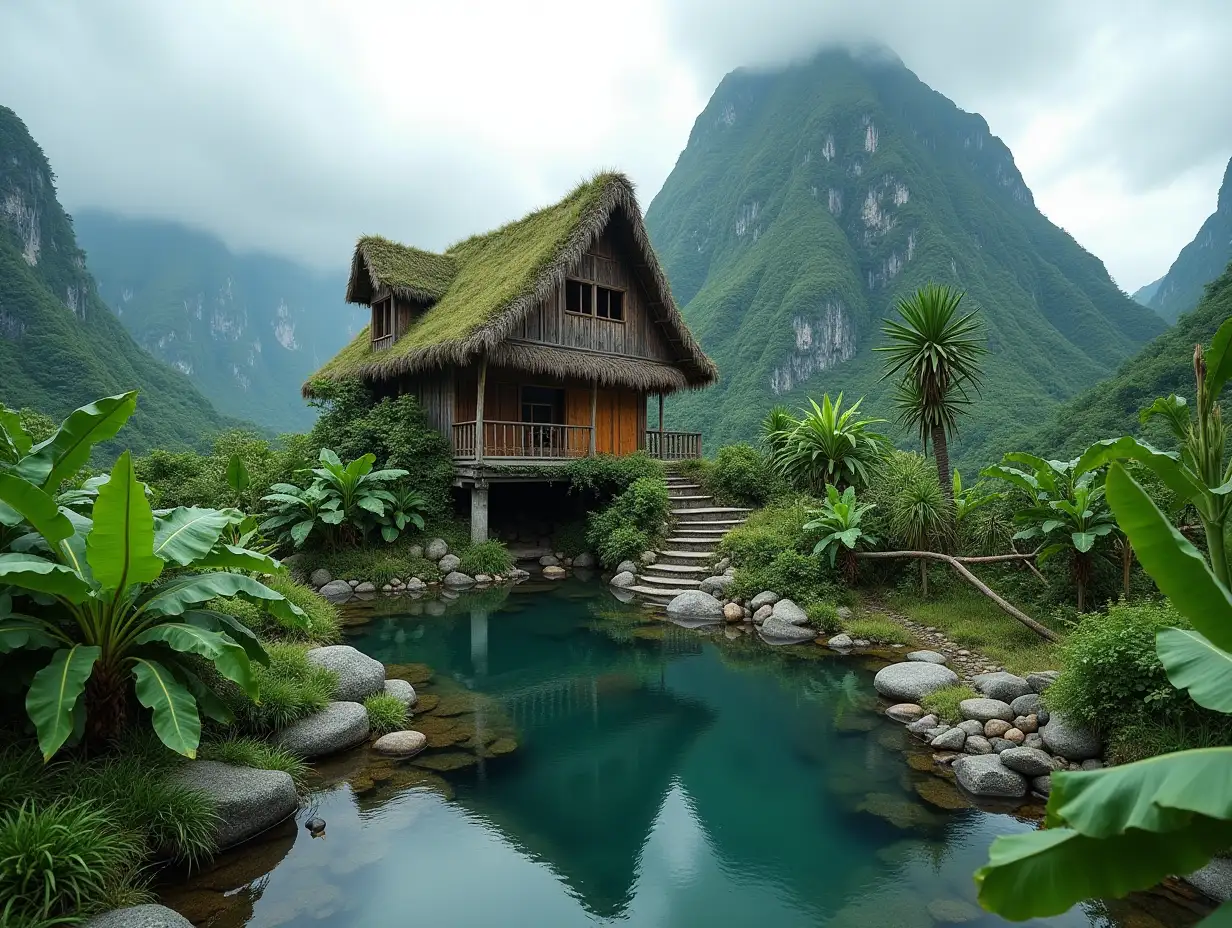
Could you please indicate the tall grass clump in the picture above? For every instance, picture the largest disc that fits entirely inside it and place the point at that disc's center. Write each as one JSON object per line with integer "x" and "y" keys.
{"x": 386, "y": 713}
{"x": 291, "y": 688}
{"x": 944, "y": 702}
{"x": 254, "y": 752}
{"x": 489, "y": 557}
{"x": 324, "y": 624}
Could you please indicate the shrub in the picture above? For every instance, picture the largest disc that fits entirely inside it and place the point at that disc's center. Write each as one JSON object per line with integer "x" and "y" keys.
{"x": 291, "y": 688}
{"x": 386, "y": 713}
{"x": 879, "y": 630}
{"x": 606, "y": 476}
{"x": 790, "y": 574}
{"x": 1113, "y": 676}
{"x": 488, "y": 557}
{"x": 1140, "y": 738}
{"x": 570, "y": 539}
{"x": 742, "y": 476}
{"x": 323, "y": 625}
{"x": 254, "y": 752}
{"x": 635, "y": 516}
{"x": 944, "y": 702}
{"x": 826, "y": 445}
{"x": 379, "y": 563}
{"x": 61, "y": 859}
{"x": 770, "y": 531}
{"x": 912, "y": 512}
{"x": 823, "y": 617}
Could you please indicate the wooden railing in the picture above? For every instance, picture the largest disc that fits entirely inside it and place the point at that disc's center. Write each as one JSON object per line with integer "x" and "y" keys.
{"x": 673, "y": 446}
{"x": 385, "y": 341}
{"x": 522, "y": 440}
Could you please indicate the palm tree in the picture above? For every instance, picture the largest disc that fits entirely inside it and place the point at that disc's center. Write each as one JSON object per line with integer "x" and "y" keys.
{"x": 936, "y": 353}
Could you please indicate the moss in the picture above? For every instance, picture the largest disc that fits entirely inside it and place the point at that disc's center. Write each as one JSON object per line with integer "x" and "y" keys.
{"x": 386, "y": 713}
{"x": 324, "y": 619}
{"x": 944, "y": 702}
{"x": 878, "y": 630}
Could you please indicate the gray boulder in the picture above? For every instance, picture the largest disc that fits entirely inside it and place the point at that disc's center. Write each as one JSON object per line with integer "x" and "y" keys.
{"x": 415, "y": 551}
{"x": 950, "y": 740}
{"x": 1027, "y": 761}
{"x": 437, "y": 549}
{"x": 904, "y": 712}
{"x": 246, "y": 799}
{"x": 320, "y": 577}
{"x": 1033, "y": 740}
{"x": 517, "y": 574}
{"x": 401, "y": 743}
{"x": 458, "y": 581}
{"x": 336, "y": 591}
{"x": 928, "y": 657}
{"x": 1215, "y": 879}
{"x": 626, "y": 567}
{"x": 402, "y": 691}
{"x": 763, "y": 613}
{"x": 415, "y": 585}
{"x": 971, "y": 727}
{"x": 723, "y": 565}
{"x": 585, "y": 559}
{"x": 553, "y": 573}
{"x": 787, "y": 611}
{"x": 911, "y": 681}
{"x": 1026, "y": 705}
{"x": 985, "y": 775}
{"x": 623, "y": 579}
{"x": 365, "y": 586}
{"x": 844, "y": 612}
{"x": 983, "y": 710}
{"x": 1000, "y": 685}
{"x": 775, "y": 631}
{"x": 1040, "y": 680}
{"x": 841, "y": 642}
{"x": 1001, "y": 744}
{"x": 1042, "y": 785}
{"x": 920, "y": 726}
{"x": 694, "y": 604}
{"x": 140, "y": 916}
{"x": 715, "y": 585}
{"x": 449, "y": 563}
{"x": 359, "y": 676}
{"x": 1070, "y": 741}
{"x": 977, "y": 744}
{"x": 764, "y": 598}
{"x": 338, "y": 726}
{"x": 549, "y": 560}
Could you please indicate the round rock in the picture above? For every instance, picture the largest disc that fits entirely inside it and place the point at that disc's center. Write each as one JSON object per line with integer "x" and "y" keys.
{"x": 694, "y": 604}
{"x": 359, "y": 676}
{"x": 140, "y": 916}
{"x": 549, "y": 560}
{"x": 1001, "y": 685}
{"x": 1027, "y": 761}
{"x": 585, "y": 559}
{"x": 623, "y": 579}
{"x": 1015, "y": 735}
{"x": 338, "y": 726}
{"x": 401, "y": 691}
{"x": 787, "y": 611}
{"x": 763, "y": 613}
{"x": 764, "y": 598}
{"x": 247, "y": 800}
{"x": 971, "y": 727}
{"x": 1029, "y": 704}
{"x": 1042, "y": 785}
{"x": 996, "y": 728}
{"x": 437, "y": 549}
{"x": 982, "y": 710}
{"x": 732, "y": 612}
{"x": 555, "y": 573}
{"x": 919, "y": 726}
{"x": 950, "y": 740}
{"x": 320, "y": 577}
{"x": 911, "y": 681}
{"x": 458, "y": 581}
{"x": 626, "y": 567}
{"x": 715, "y": 585}
{"x": 401, "y": 743}
{"x": 905, "y": 712}
{"x": 449, "y": 563}
{"x": 927, "y": 657}
{"x": 841, "y": 642}
{"x": 336, "y": 591}
{"x": 1069, "y": 741}
{"x": 985, "y": 775}
{"x": 1040, "y": 680}
{"x": 775, "y": 631}
{"x": 978, "y": 744}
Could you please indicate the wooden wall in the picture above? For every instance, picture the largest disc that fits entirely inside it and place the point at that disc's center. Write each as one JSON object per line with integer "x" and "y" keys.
{"x": 639, "y": 335}
{"x": 435, "y": 394}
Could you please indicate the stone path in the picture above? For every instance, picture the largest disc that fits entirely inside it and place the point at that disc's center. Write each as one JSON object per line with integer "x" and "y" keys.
{"x": 964, "y": 661}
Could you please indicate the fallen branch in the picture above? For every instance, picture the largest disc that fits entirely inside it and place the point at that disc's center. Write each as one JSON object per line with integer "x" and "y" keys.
{"x": 958, "y": 563}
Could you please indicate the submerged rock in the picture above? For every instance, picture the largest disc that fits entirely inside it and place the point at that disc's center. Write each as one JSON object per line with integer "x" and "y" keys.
{"x": 247, "y": 800}
{"x": 359, "y": 676}
{"x": 912, "y": 681}
{"x": 985, "y": 775}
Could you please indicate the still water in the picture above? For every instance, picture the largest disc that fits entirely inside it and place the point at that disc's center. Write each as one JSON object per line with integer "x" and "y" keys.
{"x": 595, "y": 766}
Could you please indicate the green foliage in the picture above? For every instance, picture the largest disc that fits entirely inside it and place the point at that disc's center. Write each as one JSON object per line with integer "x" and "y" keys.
{"x": 789, "y": 573}
{"x": 377, "y": 561}
{"x": 490, "y": 557}
{"x": 911, "y": 511}
{"x": 823, "y": 617}
{"x": 877, "y": 630}
{"x": 742, "y": 476}
{"x": 256, "y": 752}
{"x": 386, "y": 713}
{"x": 826, "y": 445}
{"x": 291, "y": 689}
{"x": 395, "y": 430}
{"x": 838, "y": 522}
{"x": 322, "y": 622}
{"x": 944, "y": 702}
{"x": 605, "y": 476}
{"x": 636, "y": 517}
{"x": 770, "y": 552}
{"x": 570, "y": 538}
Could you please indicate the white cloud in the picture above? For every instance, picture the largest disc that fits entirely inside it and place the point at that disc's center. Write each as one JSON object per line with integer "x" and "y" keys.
{"x": 296, "y": 125}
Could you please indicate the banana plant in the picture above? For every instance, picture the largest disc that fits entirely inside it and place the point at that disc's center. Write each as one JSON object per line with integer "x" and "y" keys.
{"x": 1110, "y": 832}
{"x": 968, "y": 499}
{"x": 839, "y": 517}
{"x": 295, "y": 512}
{"x": 405, "y": 509}
{"x": 356, "y": 485}
{"x": 1198, "y": 474}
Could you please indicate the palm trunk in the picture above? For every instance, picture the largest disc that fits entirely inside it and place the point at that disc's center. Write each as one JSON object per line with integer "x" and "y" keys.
{"x": 941, "y": 451}
{"x": 106, "y": 706}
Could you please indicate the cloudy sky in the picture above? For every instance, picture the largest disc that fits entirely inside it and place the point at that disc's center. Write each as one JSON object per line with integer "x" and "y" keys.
{"x": 296, "y": 125}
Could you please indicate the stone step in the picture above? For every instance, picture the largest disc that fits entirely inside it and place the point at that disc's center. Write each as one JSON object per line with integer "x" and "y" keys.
{"x": 685, "y": 558}
{"x": 697, "y": 529}
{"x": 712, "y": 514}
{"x": 674, "y": 488}
{"x": 691, "y": 503}
{"x": 659, "y": 596}
{"x": 695, "y": 545}
{"x": 673, "y": 582}
{"x": 682, "y": 570}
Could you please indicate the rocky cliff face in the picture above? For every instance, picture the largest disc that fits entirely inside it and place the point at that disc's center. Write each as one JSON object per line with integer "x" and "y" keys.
{"x": 809, "y": 200}
{"x": 248, "y": 329}
{"x": 1199, "y": 262}
{"x": 59, "y": 345}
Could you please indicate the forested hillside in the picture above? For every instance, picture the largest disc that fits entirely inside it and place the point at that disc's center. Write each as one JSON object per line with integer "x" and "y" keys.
{"x": 60, "y": 346}
{"x": 809, "y": 200}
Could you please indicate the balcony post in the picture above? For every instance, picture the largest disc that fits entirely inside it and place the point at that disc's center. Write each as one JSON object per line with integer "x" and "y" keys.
{"x": 594, "y": 405}
{"x": 660, "y": 425}
{"x": 479, "y": 513}
{"x": 482, "y": 388}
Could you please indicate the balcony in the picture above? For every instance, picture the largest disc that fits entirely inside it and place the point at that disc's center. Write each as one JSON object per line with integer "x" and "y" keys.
{"x": 506, "y": 442}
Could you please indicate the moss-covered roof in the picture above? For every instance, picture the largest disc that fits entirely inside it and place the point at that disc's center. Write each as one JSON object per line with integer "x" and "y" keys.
{"x": 482, "y": 287}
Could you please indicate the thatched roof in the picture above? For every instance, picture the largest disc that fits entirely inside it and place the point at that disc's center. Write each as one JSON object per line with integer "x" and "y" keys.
{"x": 480, "y": 289}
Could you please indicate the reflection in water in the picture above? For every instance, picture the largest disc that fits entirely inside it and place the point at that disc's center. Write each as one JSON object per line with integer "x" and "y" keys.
{"x": 663, "y": 776}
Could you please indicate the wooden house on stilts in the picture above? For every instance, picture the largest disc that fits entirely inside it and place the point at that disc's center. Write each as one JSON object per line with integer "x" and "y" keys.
{"x": 536, "y": 343}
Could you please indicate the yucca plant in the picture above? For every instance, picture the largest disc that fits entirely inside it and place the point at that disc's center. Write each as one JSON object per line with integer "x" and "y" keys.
{"x": 935, "y": 353}
{"x": 921, "y": 516}
{"x": 827, "y": 445}
{"x": 92, "y": 590}
{"x": 839, "y": 518}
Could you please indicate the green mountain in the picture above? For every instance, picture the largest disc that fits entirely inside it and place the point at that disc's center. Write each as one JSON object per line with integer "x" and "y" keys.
{"x": 1199, "y": 262}
{"x": 1144, "y": 293}
{"x": 809, "y": 200}
{"x": 60, "y": 346}
{"x": 247, "y": 329}
{"x": 1163, "y": 366}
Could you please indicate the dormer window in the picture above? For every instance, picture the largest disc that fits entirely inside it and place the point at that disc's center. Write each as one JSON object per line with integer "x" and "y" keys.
{"x": 383, "y": 323}
{"x": 589, "y": 299}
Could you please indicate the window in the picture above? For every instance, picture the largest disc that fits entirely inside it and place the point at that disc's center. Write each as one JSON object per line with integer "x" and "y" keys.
{"x": 544, "y": 405}
{"x": 610, "y": 304}
{"x": 382, "y": 319}
{"x": 579, "y": 297}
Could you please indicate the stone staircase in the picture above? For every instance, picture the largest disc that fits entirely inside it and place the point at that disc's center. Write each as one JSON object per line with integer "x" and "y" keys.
{"x": 688, "y": 555}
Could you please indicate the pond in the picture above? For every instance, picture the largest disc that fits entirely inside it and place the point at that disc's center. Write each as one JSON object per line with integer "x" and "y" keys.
{"x": 635, "y": 773}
